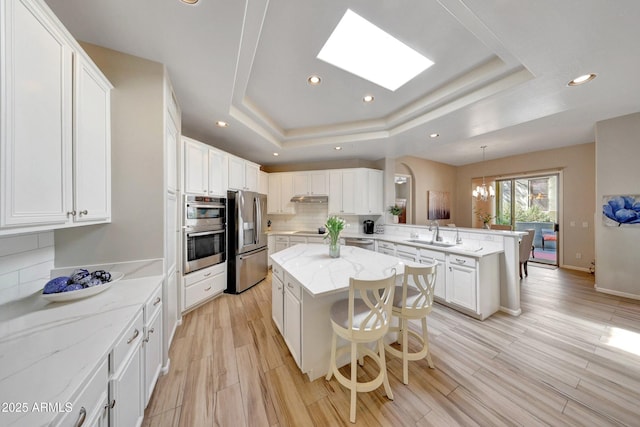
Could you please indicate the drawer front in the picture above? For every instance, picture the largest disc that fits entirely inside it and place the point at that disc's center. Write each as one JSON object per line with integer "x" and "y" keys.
{"x": 315, "y": 240}
{"x": 293, "y": 287}
{"x": 128, "y": 342}
{"x": 204, "y": 290}
{"x": 88, "y": 405}
{"x": 462, "y": 260}
{"x": 385, "y": 251}
{"x": 205, "y": 273}
{"x": 282, "y": 239}
{"x": 294, "y": 240}
{"x": 277, "y": 271}
{"x": 386, "y": 245}
{"x": 407, "y": 249}
{"x": 153, "y": 304}
{"x": 429, "y": 255}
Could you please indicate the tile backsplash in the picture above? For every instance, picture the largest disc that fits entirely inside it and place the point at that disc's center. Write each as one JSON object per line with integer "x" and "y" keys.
{"x": 26, "y": 261}
{"x": 309, "y": 217}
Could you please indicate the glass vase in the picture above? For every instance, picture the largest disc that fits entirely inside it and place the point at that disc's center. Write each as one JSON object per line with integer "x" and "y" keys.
{"x": 334, "y": 250}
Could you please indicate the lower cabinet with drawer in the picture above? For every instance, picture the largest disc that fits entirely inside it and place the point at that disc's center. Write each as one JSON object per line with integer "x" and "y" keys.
{"x": 90, "y": 408}
{"x": 292, "y": 317}
{"x": 473, "y": 284}
{"x": 202, "y": 285}
{"x": 152, "y": 343}
{"x": 277, "y": 296}
{"x": 126, "y": 383}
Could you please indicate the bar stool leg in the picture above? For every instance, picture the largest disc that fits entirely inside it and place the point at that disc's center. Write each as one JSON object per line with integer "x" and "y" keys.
{"x": 425, "y": 337}
{"x": 354, "y": 381}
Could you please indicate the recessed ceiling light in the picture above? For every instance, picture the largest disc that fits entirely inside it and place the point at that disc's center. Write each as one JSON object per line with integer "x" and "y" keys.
{"x": 434, "y": 135}
{"x": 222, "y": 124}
{"x": 361, "y": 48}
{"x": 314, "y": 80}
{"x": 276, "y": 154}
{"x": 368, "y": 98}
{"x": 189, "y": 1}
{"x": 338, "y": 148}
{"x": 582, "y": 79}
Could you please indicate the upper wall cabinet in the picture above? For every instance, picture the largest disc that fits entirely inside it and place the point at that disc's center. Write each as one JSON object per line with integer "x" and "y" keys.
{"x": 313, "y": 183}
{"x": 205, "y": 169}
{"x": 355, "y": 192}
{"x": 280, "y": 194}
{"x": 47, "y": 125}
{"x": 243, "y": 175}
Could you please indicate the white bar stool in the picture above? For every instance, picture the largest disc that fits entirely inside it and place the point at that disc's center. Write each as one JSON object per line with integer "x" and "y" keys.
{"x": 413, "y": 300}
{"x": 362, "y": 320}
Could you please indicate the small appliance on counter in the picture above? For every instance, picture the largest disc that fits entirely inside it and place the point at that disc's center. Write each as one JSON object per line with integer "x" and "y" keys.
{"x": 380, "y": 229}
{"x": 368, "y": 226}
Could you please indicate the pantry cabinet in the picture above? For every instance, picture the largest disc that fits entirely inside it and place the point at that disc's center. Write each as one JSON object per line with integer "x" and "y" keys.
{"x": 56, "y": 172}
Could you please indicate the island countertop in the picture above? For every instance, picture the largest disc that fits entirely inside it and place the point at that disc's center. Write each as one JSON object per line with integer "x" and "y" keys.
{"x": 319, "y": 274}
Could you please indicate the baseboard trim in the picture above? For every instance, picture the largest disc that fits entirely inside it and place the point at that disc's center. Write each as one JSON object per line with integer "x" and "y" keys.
{"x": 511, "y": 311}
{"x": 573, "y": 267}
{"x": 165, "y": 368}
{"x": 616, "y": 293}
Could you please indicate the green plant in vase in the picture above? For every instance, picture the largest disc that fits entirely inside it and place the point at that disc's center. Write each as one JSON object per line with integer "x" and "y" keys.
{"x": 485, "y": 217}
{"x": 395, "y": 210}
{"x": 334, "y": 226}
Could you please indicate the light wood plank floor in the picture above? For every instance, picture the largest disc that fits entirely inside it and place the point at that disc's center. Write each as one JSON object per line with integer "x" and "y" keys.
{"x": 567, "y": 360}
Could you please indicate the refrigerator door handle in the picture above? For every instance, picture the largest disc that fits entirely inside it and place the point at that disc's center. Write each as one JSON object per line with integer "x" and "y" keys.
{"x": 258, "y": 219}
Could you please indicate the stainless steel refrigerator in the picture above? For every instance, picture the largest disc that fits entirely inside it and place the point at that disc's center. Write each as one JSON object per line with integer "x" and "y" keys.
{"x": 247, "y": 241}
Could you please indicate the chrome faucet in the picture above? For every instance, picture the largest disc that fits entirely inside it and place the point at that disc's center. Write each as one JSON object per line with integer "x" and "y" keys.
{"x": 437, "y": 237}
{"x": 458, "y": 238}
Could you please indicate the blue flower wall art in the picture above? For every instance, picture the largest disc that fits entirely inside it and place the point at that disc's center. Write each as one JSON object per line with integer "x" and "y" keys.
{"x": 618, "y": 210}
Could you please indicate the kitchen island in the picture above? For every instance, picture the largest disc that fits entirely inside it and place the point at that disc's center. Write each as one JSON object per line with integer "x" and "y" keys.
{"x": 306, "y": 282}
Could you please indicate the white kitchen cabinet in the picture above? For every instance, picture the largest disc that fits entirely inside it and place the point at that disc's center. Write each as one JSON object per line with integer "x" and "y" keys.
{"x": 292, "y": 321}
{"x": 461, "y": 282}
{"x": 41, "y": 186}
{"x": 172, "y": 138}
{"x": 282, "y": 242}
{"x": 91, "y": 143}
{"x": 218, "y": 173}
{"x": 88, "y": 407}
{"x": 263, "y": 182}
{"x": 280, "y": 194}
{"x": 196, "y": 167}
{"x": 202, "y": 285}
{"x": 428, "y": 257}
{"x": 152, "y": 347}
{"x": 386, "y": 248}
{"x": 355, "y": 192}
{"x": 409, "y": 253}
{"x": 205, "y": 169}
{"x": 243, "y": 175}
{"x": 342, "y": 192}
{"x": 374, "y": 204}
{"x": 126, "y": 383}
{"x": 277, "y": 296}
{"x": 312, "y": 183}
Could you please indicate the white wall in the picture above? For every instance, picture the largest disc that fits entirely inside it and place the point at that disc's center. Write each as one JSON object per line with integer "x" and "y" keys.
{"x": 617, "y": 173}
{"x": 137, "y": 174}
{"x": 25, "y": 263}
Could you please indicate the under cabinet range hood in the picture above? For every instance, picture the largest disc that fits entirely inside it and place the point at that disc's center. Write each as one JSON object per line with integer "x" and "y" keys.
{"x": 309, "y": 199}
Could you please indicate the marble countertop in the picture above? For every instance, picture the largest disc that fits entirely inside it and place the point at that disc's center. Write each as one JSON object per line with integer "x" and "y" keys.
{"x": 320, "y": 274}
{"x": 47, "y": 350}
{"x": 473, "y": 248}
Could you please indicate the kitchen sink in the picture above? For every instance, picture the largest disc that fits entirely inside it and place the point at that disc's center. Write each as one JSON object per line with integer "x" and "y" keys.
{"x": 432, "y": 243}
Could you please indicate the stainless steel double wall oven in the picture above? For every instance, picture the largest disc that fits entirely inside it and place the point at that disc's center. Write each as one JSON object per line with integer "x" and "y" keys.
{"x": 204, "y": 232}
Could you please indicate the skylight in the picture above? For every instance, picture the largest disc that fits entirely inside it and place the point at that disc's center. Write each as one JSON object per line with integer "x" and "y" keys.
{"x": 361, "y": 48}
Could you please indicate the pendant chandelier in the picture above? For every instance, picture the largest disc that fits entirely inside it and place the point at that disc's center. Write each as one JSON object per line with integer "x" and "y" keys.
{"x": 484, "y": 192}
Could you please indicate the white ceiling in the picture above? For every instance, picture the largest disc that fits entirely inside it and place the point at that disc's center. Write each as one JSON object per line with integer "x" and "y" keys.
{"x": 499, "y": 79}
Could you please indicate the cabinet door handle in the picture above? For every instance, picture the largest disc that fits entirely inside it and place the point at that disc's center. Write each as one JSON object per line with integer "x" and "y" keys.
{"x": 110, "y": 405}
{"x": 207, "y": 274}
{"x": 450, "y": 269}
{"x": 208, "y": 289}
{"x": 157, "y": 301}
{"x": 289, "y": 285}
{"x": 84, "y": 212}
{"x": 81, "y": 417}
{"x": 461, "y": 261}
{"x": 71, "y": 213}
{"x": 135, "y": 335}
